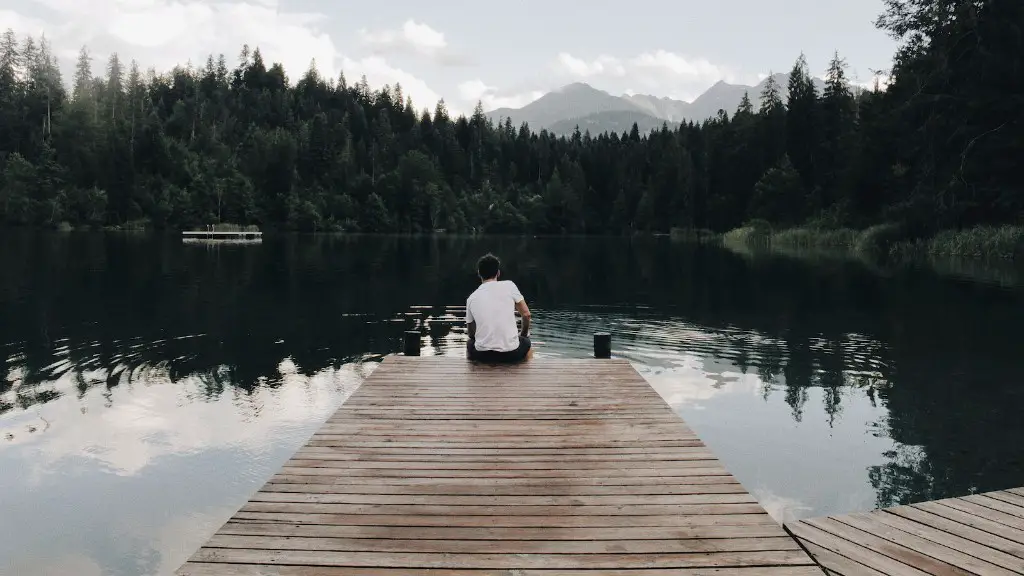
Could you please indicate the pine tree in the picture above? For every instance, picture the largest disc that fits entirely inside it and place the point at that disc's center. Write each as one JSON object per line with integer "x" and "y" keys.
{"x": 115, "y": 84}
{"x": 84, "y": 92}
{"x": 745, "y": 108}
{"x": 838, "y": 117}
{"x": 802, "y": 124}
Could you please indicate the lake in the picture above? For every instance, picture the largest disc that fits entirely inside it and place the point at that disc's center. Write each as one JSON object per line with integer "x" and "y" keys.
{"x": 148, "y": 387}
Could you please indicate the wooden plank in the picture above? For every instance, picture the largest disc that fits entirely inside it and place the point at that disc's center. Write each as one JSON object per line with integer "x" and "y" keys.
{"x": 320, "y": 497}
{"x": 564, "y": 464}
{"x": 444, "y": 451}
{"x": 547, "y": 533}
{"x": 470, "y": 510}
{"x": 919, "y": 552}
{"x": 506, "y": 521}
{"x": 898, "y": 552}
{"x": 970, "y": 507}
{"x": 219, "y": 569}
{"x": 988, "y": 539}
{"x": 450, "y": 546}
{"x": 807, "y": 532}
{"x": 568, "y": 481}
{"x": 1008, "y": 497}
{"x": 952, "y": 556}
{"x": 838, "y": 564}
{"x": 535, "y": 489}
{"x": 968, "y": 518}
{"x": 976, "y": 534}
{"x": 951, "y": 541}
{"x": 1002, "y": 506}
{"x": 685, "y": 453}
{"x": 438, "y": 466}
{"x": 707, "y": 470}
{"x": 502, "y": 561}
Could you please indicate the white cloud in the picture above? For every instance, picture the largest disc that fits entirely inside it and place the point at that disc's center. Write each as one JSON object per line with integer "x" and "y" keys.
{"x": 659, "y": 72}
{"x": 413, "y": 37}
{"x": 473, "y": 91}
{"x": 883, "y": 81}
{"x": 137, "y": 428}
{"x": 166, "y": 33}
{"x": 14, "y": 21}
{"x": 601, "y": 66}
{"x": 378, "y": 73}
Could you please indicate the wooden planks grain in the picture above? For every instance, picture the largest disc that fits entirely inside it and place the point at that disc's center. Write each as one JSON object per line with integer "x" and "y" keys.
{"x": 438, "y": 466}
{"x": 980, "y": 534}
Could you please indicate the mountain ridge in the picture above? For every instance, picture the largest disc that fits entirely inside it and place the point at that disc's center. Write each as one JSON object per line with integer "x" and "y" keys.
{"x": 598, "y": 111}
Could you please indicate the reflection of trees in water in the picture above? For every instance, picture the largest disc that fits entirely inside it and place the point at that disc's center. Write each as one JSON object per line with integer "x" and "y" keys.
{"x": 940, "y": 355}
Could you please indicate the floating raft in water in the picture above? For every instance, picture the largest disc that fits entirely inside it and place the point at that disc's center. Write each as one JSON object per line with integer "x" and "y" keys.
{"x": 980, "y": 534}
{"x": 552, "y": 467}
{"x": 222, "y": 236}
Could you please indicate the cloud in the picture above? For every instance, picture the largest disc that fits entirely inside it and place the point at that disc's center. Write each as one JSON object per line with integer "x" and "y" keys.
{"x": 473, "y": 91}
{"x": 19, "y": 23}
{"x": 166, "y": 33}
{"x": 602, "y": 65}
{"x": 378, "y": 73}
{"x": 413, "y": 37}
{"x": 137, "y": 429}
{"x": 659, "y": 72}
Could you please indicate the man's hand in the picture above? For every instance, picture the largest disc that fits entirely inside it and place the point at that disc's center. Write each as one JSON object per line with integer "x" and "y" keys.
{"x": 524, "y": 313}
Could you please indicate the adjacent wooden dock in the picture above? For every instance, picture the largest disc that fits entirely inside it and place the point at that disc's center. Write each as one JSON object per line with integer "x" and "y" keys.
{"x": 437, "y": 466}
{"x": 981, "y": 534}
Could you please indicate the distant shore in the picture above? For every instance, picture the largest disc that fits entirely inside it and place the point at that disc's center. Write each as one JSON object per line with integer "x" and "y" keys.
{"x": 886, "y": 240}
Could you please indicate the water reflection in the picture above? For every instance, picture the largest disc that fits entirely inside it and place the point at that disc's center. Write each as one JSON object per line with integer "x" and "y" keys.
{"x": 148, "y": 387}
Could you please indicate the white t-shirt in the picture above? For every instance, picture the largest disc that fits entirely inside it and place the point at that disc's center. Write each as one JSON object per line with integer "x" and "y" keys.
{"x": 493, "y": 307}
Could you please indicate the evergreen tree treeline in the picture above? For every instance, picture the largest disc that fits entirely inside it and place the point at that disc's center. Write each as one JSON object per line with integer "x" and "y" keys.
{"x": 940, "y": 147}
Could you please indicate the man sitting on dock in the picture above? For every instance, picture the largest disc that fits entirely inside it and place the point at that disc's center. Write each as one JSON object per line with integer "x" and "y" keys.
{"x": 491, "y": 318}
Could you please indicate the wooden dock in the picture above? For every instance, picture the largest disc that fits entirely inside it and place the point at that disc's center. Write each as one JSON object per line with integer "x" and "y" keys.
{"x": 981, "y": 534}
{"x": 436, "y": 466}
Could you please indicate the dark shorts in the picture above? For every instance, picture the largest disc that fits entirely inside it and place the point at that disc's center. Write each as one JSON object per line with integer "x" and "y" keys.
{"x": 492, "y": 357}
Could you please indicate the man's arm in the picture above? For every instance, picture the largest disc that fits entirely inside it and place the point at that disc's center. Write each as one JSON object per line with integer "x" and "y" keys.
{"x": 524, "y": 313}
{"x": 470, "y": 321}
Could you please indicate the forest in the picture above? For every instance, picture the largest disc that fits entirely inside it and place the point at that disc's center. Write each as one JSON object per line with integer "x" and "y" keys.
{"x": 938, "y": 147}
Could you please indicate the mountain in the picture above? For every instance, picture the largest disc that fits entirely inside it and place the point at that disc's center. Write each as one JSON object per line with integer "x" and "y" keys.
{"x": 666, "y": 108}
{"x": 618, "y": 121}
{"x": 595, "y": 110}
{"x": 572, "y": 101}
{"x": 725, "y": 96}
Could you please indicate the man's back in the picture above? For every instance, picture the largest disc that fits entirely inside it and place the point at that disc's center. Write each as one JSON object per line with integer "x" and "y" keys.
{"x": 492, "y": 308}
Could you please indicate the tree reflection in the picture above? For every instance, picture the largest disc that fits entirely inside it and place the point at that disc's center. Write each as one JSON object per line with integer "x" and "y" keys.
{"x": 90, "y": 311}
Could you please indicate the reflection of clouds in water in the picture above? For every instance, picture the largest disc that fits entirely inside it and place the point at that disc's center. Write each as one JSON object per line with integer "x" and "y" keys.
{"x": 139, "y": 426}
{"x": 780, "y": 508}
{"x": 63, "y": 565}
{"x": 182, "y": 535}
{"x": 692, "y": 380}
{"x": 139, "y": 444}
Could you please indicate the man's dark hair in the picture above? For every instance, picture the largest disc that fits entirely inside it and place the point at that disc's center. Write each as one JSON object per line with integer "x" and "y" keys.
{"x": 487, "y": 266}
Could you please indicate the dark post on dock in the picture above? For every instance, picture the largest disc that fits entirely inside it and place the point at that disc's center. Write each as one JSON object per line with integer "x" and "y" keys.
{"x": 602, "y": 345}
{"x": 411, "y": 343}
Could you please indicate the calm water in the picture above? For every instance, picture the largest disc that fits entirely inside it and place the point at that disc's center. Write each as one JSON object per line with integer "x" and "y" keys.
{"x": 147, "y": 387}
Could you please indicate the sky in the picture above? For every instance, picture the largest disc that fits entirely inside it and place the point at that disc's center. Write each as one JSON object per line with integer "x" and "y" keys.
{"x": 499, "y": 53}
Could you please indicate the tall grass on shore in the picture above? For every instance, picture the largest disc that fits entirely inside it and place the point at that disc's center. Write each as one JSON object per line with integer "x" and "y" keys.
{"x": 695, "y": 235}
{"x": 879, "y": 239}
{"x": 815, "y": 238}
{"x": 755, "y": 234}
{"x": 1006, "y": 242}
{"x": 884, "y": 241}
